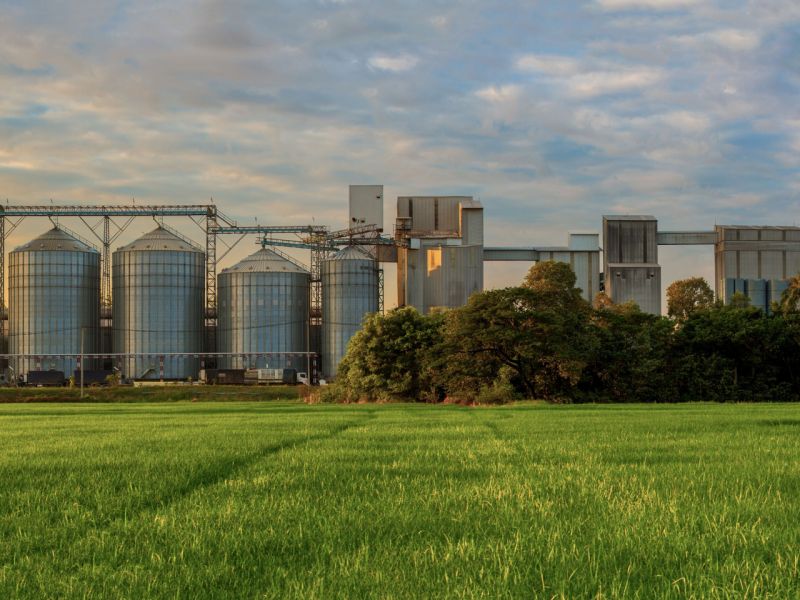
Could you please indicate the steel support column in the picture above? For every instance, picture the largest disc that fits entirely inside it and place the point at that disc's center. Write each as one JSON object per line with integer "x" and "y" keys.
{"x": 105, "y": 282}
{"x": 211, "y": 263}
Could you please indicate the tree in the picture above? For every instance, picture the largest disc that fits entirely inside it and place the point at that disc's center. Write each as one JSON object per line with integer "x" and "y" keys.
{"x": 534, "y": 333}
{"x": 740, "y": 300}
{"x": 686, "y": 296}
{"x": 727, "y": 353}
{"x": 602, "y": 300}
{"x": 630, "y": 362}
{"x": 790, "y": 299}
{"x": 555, "y": 278}
{"x": 385, "y": 359}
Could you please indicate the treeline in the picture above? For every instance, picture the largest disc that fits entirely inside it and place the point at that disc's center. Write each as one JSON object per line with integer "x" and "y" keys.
{"x": 542, "y": 340}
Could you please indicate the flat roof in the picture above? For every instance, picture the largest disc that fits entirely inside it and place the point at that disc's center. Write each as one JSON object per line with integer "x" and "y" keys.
{"x": 777, "y": 227}
{"x": 629, "y": 218}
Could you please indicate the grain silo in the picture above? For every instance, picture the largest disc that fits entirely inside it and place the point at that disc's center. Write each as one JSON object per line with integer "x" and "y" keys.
{"x": 263, "y": 308}
{"x": 349, "y": 292}
{"x": 158, "y": 306}
{"x": 54, "y": 300}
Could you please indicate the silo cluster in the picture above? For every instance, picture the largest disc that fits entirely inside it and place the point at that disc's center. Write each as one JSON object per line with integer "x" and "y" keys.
{"x": 158, "y": 328}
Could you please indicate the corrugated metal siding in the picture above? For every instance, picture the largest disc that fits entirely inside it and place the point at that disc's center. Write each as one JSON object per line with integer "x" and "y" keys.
{"x": 159, "y": 298}
{"x": 581, "y": 266}
{"x": 472, "y": 226}
{"x": 776, "y": 289}
{"x": 641, "y": 285}
{"x": 748, "y": 264}
{"x": 771, "y": 234}
{"x": 731, "y": 264}
{"x": 349, "y": 293}
{"x": 424, "y": 218}
{"x": 454, "y": 274}
{"x": 757, "y": 292}
{"x": 263, "y": 312}
{"x": 792, "y": 263}
{"x": 449, "y": 215}
{"x": 630, "y": 241}
{"x": 53, "y": 295}
{"x": 432, "y": 213}
{"x": 771, "y": 264}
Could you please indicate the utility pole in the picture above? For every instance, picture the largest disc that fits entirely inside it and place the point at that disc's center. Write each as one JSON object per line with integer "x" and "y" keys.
{"x": 83, "y": 330}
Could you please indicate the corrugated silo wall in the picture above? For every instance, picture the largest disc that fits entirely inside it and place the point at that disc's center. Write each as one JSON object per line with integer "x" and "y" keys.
{"x": 349, "y": 292}
{"x": 54, "y": 299}
{"x": 263, "y": 312}
{"x": 159, "y": 299}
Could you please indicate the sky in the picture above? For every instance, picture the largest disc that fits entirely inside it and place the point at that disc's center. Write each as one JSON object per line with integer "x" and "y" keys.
{"x": 551, "y": 113}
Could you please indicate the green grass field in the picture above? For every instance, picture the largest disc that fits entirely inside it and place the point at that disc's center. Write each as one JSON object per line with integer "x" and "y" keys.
{"x": 251, "y": 500}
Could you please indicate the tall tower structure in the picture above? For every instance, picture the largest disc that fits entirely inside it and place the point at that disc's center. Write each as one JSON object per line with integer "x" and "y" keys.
{"x": 366, "y": 205}
{"x": 441, "y": 262}
{"x": 630, "y": 261}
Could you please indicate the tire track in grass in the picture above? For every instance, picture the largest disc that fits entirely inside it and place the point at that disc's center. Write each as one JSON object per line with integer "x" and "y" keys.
{"x": 213, "y": 474}
{"x": 225, "y": 469}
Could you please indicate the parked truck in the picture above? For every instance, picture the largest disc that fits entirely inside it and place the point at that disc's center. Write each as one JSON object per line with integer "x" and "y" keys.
{"x": 271, "y": 376}
{"x": 253, "y": 377}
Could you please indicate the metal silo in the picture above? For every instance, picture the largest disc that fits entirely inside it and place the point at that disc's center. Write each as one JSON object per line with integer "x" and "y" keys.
{"x": 349, "y": 292}
{"x": 54, "y": 300}
{"x": 158, "y": 305}
{"x": 263, "y": 308}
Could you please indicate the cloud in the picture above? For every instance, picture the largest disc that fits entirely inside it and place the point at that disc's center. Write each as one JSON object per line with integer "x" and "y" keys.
{"x": 548, "y": 64}
{"x": 647, "y": 4}
{"x": 499, "y": 94}
{"x": 736, "y": 40}
{"x": 396, "y": 64}
{"x": 611, "y": 82}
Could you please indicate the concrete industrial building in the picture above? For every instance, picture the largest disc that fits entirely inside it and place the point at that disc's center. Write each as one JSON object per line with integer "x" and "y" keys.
{"x": 630, "y": 261}
{"x": 440, "y": 260}
{"x": 442, "y": 264}
{"x": 756, "y": 261}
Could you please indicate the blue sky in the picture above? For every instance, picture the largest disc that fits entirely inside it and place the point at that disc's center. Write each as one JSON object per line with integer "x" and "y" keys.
{"x": 552, "y": 113}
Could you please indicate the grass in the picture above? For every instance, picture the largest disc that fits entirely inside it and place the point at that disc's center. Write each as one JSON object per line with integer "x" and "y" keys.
{"x": 274, "y": 500}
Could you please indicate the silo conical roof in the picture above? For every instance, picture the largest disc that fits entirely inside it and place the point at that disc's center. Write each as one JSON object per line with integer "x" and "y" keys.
{"x": 265, "y": 261}
{"x": 352, "y": 253}
{"x": 55, "y": 239}
{"x": 159, "y": 239}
